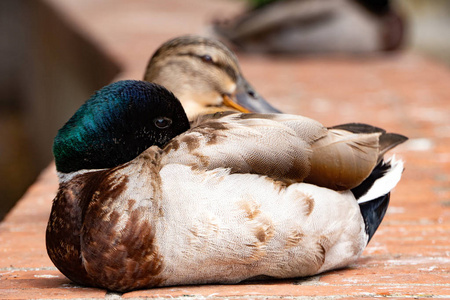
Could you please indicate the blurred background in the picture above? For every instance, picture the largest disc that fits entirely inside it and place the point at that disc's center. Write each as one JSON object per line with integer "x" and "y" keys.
{"x": 48, "y": 69}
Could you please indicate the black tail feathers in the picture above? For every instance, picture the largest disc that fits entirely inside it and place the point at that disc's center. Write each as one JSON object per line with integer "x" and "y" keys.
{"x": 373, "y": 213}
{"x": 374, "y": 208}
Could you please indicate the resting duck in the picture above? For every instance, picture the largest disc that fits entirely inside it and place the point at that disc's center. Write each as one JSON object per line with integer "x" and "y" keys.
{"x": 145, "y": 199}
{"x": 205, "y": 75}
{"x": 314, "y": 26}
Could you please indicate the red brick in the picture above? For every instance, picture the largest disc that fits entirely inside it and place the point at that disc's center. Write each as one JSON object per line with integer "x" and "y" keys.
{"x": 41, "y": 284}
{"x": 296, "y": 289}
{"x": 410, "y": 254}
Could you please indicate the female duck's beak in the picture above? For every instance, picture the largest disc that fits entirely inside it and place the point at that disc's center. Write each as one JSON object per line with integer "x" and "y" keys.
{"x": 246, "y": 99}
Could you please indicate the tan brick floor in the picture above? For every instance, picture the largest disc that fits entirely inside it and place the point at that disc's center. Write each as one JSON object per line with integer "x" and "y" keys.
{"x": 405, "y": 93}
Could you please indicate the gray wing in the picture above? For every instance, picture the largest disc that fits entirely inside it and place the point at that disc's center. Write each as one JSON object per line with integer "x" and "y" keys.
{"x": 284, "y": 147}
{"x": 266, "y": 144}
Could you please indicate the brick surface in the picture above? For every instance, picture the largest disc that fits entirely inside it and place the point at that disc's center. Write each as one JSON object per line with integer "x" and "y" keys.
{"x": 31, "y": 283}
{"x": 402, "y": 92}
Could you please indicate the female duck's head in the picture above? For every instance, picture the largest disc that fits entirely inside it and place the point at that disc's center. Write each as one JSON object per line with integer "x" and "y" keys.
{"x": 116, "y": 124}
{"x": 205, "y": 75}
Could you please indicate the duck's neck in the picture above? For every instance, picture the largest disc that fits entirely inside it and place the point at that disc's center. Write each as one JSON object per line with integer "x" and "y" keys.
{"x": 66, "y": 177}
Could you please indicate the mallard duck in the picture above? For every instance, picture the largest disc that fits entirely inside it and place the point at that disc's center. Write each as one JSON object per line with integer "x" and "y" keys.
{"x": 205, "y": 75}
{"x": 314, "y": 26}
{"x": 146, "y": 199}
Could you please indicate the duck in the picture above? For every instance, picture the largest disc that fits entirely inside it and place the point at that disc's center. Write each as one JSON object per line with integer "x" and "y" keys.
{"x": 149, "y": 198}
{"x": 205, "y": 76}
{"x": 314, "y": 27}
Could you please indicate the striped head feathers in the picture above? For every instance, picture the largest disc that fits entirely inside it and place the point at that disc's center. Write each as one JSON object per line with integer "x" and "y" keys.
{"x": 205, "y": 75}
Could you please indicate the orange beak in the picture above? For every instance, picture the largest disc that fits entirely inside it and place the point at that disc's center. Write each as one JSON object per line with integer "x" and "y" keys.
{"x": 245, "y": 99}
{"x": 230, "y": 103}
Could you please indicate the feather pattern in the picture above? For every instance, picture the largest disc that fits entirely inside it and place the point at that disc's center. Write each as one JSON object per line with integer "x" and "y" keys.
{"x": 285, "y": 147}
{"x": 342, "y": 160}
{"x": 248, "y": 143}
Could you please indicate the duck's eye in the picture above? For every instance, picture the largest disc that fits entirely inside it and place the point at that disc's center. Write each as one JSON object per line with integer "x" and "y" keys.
{"x": 162, "y": 122}
{"x": 206, "y": 58}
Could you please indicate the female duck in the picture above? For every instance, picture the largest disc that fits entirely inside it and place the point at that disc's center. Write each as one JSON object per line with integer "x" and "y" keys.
{"x": 205, "y": 75}
{"x": 146, "y": 200}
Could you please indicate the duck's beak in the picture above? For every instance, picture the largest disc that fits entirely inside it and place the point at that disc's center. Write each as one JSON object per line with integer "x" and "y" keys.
{"x": 246, "y": 99}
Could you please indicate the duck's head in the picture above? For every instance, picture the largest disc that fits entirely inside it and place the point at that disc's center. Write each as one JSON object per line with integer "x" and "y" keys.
{"x": 205, "y": 75}
{"x": 116, "y": 124}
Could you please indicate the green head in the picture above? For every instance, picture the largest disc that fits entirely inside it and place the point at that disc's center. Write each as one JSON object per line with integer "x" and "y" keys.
{"x": 116, "y": 124}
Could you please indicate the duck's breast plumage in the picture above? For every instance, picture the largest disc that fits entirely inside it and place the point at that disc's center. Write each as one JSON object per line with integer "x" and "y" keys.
{"x": 109, "y": 239}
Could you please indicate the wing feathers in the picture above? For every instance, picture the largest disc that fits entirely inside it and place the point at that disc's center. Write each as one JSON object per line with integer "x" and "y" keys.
{"x": 358, "y": 128}
{"x": 389, "y": 141}
{"x": 285, "y": 147}
{"x": 274, "y": 145}
{"x": 342, "y": 160}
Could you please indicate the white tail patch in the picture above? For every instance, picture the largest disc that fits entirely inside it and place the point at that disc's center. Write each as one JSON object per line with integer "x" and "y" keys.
{"x": 385, "y": 184}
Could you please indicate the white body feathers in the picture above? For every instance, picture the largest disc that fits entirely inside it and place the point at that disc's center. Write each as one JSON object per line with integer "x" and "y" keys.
{"x": 213, "y": 226}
